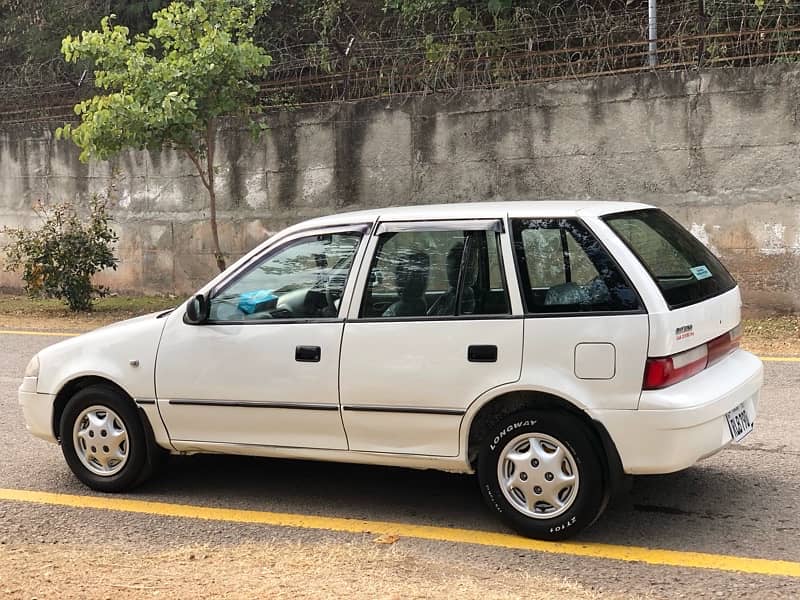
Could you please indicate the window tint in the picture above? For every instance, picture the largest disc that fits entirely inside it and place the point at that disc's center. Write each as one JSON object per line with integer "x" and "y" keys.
{"x": 304, "y": 279}
{"x": 545, "y": 244}
{"x": 563, "y": 268}
{"x": 435, "y": 274}
{"x": 684, "y": 269}
{"x": 496, "y": 277}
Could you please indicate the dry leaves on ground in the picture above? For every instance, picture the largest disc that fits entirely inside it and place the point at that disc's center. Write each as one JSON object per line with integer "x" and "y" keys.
{"x": 274, "y": 570}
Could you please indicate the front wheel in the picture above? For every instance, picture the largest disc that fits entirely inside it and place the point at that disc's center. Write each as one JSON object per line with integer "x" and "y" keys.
{"x": 542, "y": 472}
{"x": 103, "y": 440}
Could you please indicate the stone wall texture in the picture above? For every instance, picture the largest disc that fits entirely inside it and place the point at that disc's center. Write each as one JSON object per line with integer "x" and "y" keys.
{"x": 717, "y": 149}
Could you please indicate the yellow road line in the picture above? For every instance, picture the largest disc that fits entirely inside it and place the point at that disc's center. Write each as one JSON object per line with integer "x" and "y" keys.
{"x": 653, "y": 556}
{"x": 780, "y": 358}
{"x": 43, "y": 333}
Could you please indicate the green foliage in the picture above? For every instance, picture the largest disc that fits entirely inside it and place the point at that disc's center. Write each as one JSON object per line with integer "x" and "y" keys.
{"x": 762, "y": 4}
{"x": 167, "y": 88}
{"x": 59, "y": 260}
{"x": 198, "y": 62}
{"x": 415, "y": 11}
{"x": 31, "y": 30}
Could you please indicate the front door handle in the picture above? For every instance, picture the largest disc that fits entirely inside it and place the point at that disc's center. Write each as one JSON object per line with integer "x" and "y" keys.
{"x": 307, "y": 353}
{"x": 482, "y": 354}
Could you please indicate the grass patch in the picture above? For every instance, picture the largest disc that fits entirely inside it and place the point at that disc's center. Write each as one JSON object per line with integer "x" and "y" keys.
{"x": 772, "y": 336}
{"x": 21, "y": 312}
{"x": 108, "y": 305}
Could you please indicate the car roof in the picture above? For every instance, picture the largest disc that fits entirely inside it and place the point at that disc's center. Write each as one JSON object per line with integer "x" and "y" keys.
{"x": 475, "y": 210}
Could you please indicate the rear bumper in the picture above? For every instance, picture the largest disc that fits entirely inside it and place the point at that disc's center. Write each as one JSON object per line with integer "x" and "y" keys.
{"x": 680, "y": 425}
{"x": 37, "y": 409}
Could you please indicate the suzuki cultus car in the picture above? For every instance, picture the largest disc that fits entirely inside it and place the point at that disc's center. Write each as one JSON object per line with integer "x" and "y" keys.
{"x": 549, "y": 347}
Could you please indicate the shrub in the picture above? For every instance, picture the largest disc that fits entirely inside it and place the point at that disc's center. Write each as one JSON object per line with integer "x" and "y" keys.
{"x": 59, "y": 260}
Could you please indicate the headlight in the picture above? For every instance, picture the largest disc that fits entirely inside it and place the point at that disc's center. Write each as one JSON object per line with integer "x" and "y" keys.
{"x": 32, "y": 370}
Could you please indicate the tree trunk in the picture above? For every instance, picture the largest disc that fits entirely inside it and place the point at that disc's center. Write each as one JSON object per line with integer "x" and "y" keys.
{"x": 212, "y": 195}
{"x": 207, "y": 177}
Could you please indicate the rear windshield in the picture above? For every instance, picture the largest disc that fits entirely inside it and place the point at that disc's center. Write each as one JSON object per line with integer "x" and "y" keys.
{"x": 685, "y": 270}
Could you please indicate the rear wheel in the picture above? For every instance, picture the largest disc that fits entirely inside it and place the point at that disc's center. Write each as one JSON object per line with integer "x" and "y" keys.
{"x": 542, "y": 472}
{"x": 104, "y": 441}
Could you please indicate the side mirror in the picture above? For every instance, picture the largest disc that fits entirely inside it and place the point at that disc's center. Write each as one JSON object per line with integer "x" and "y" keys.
{"x": 197, "y": 310}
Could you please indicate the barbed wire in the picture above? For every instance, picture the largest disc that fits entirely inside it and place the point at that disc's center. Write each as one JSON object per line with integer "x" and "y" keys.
{"x": 565, "y": 41}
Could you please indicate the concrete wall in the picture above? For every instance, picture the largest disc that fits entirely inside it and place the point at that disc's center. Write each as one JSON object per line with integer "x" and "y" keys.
{"x": 718, "y": 150}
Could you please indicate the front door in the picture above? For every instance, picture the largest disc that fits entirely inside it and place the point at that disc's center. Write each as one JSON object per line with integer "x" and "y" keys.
{"x": 431, "y": 331}
{"x": 263, "y": 370}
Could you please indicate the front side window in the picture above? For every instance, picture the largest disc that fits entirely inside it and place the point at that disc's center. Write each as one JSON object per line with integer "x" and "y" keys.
{"x": 429, "y": 274}
{"x": 684, "y": 269}
{"x": 301, "y": 280}
{"x": 564, "y": 268}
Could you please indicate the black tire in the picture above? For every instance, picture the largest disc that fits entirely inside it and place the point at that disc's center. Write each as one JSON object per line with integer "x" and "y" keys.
{"x": 139, "y": 459}
{"x": 581, "y": 502}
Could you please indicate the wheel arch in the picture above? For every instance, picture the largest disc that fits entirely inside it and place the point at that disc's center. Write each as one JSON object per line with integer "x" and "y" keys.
{"x": 479, "y": 421}
{"x": 73, "y": 386}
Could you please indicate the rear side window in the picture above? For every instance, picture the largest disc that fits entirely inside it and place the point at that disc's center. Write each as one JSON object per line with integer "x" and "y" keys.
{"x": 436, "y": 274}
{"x": 564, "y": 268}
{"x": 684, "y": 269}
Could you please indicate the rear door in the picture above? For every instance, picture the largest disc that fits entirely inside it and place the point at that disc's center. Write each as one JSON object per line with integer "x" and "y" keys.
{"x": 430, "y": 329}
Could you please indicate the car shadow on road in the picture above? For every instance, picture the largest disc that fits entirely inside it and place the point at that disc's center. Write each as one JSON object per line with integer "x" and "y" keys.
{"x": 322, "y": 488}
{"x": 708, "y": 507}
{"x": 712, "y": 504}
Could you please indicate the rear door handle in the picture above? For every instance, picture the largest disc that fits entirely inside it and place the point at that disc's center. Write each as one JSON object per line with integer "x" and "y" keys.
{"x": 482, "y": 354}
{"x": 307, "y": 353}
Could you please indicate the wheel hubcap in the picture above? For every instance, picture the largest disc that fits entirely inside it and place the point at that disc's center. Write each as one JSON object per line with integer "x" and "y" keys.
{"x": 101, "y": 440}
{"x": 538, "y": 475}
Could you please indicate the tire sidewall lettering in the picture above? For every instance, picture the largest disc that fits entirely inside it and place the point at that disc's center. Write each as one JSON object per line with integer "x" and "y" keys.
{"x": 562, "y": 526}
{"x": 499, "y": 437}
{"x": 490, "y": 495}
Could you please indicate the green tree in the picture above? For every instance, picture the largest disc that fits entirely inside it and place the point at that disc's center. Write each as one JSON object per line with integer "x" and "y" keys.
{"x": 169, "y": 87}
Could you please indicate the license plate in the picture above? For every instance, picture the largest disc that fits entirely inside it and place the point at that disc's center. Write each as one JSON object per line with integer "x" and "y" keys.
{"x": 739, "y": 422}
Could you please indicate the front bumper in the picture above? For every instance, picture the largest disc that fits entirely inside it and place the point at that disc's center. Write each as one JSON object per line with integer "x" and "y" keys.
{"x": 37, "y": 410}
{"x": 680, "y": 425}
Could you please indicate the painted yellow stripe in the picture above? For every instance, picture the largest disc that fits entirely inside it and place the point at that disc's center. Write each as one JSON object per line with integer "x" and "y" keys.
{"x": 42, "y": 333}
{"x": 780, "y": 358}
{"x": 651, "y": 556}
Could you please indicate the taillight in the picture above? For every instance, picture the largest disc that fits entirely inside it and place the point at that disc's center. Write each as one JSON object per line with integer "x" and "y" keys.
{"x": 720, "y": 347}
{"x": 662, "y": 372}
{"x": 669, "y": 370}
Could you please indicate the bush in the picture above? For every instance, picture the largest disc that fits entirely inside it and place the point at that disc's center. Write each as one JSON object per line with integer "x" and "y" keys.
{"x": 59, "y": 260}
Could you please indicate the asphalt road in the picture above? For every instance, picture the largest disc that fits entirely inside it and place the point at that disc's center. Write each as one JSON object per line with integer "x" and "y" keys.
{"x": 744, "y": 501}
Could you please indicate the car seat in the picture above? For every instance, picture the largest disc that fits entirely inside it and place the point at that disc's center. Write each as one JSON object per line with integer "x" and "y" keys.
{"x": 445, "y": 304}
{"x": 411, "y": 281}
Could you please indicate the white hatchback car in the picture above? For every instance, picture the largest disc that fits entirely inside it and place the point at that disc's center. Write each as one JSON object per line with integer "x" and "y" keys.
{"x": 550, "y": 346}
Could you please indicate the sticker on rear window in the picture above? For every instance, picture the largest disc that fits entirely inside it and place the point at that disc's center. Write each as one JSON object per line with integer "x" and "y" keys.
{"x": 700, "y": 272}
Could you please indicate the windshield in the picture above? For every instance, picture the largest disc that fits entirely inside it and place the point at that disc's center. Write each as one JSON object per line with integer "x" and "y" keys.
{"x": 684, "y": 269}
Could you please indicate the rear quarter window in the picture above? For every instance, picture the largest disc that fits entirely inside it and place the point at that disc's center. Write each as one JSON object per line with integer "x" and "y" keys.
{"x": 685, "y": 270}
{"x": 563, "y": 268}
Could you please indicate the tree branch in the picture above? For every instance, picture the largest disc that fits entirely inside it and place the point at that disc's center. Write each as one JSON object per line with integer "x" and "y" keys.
{"x": 193, "y": 157}
{"x": 211, "y": 135}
